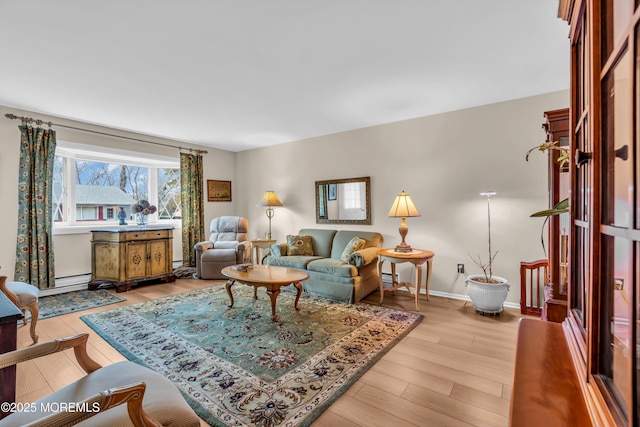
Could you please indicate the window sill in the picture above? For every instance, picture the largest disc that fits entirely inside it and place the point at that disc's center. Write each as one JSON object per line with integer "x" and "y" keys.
{"x": 85, "y": 229}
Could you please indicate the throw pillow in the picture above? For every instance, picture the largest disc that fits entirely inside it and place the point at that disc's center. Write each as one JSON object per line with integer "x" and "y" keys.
{"x": 299, "y": 245}
{"x": 354, "y": 244}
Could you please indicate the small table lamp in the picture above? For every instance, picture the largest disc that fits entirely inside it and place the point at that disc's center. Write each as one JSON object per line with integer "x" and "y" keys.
{"x": 269, "y": 199}
{"x": 403, "y": 207}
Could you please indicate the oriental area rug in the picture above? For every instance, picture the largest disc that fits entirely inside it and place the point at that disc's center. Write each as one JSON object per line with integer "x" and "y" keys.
{"x": 236, "y": 367}
{"x": 59, "y": 304}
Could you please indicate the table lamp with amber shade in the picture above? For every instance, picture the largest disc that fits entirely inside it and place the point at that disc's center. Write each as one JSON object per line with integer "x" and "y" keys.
{"x": 403, "y": 207}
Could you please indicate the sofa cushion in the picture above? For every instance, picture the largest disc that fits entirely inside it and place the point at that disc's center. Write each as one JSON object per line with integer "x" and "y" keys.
{"x": 299, "y": 262}
{"x": 219, "y": 255}
{"x": 322, "y": 240}
{"x": 229, "y": 228}
{"x": 299, "y": 245}
{"x": 333, "y": 267}
{"x": 354, "y": 244}
{"x": 225, "y": 245}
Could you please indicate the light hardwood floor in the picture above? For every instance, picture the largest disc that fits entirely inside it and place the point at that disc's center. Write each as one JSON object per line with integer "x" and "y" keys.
{"x": 454, "y": 369}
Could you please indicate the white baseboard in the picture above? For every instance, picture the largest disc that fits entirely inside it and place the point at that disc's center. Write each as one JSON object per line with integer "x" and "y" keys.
{"x": 466, "y": 298}
{"x": 78, "y": 282}
{"x": 68, "y": 284}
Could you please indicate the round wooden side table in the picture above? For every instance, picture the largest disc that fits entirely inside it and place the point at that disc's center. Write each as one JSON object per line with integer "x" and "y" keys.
{"x": 417, "y": 257}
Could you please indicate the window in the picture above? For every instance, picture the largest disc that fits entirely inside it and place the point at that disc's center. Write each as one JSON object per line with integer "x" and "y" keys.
{"x": 352, "y": 200}
{"x": 93, "y": 186}
{"x": 352, "y": 195}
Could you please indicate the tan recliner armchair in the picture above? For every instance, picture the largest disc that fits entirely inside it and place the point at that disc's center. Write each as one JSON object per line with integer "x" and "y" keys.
{"x": 228, "y": 245}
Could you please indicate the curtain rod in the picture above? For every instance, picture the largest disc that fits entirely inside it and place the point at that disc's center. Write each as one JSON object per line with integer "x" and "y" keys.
{"x": 39, "y": 122}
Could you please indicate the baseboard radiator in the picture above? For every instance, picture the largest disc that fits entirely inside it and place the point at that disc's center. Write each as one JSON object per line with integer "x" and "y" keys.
{"x": 78, "y": 282}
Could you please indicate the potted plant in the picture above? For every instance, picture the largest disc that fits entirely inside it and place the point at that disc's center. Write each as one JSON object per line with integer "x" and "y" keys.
{"x": 563, "y": 205}
{"x": 486, "y": 291}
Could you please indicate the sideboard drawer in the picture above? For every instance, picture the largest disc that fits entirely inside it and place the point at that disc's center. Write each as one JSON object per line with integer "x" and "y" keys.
{"x": 147, "y": 235}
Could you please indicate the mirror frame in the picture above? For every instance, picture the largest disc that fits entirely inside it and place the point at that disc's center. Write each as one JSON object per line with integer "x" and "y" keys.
{"x": 367, "y": 220}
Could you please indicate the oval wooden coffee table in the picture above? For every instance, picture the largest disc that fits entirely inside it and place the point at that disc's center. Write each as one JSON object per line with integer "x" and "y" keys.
{"x": 267, "y": 276}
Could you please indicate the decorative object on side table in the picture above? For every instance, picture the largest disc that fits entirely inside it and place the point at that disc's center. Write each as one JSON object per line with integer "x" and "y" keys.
{"x": 122, "y": 215}
{"x": 486, "y": 291}
{"x": 403, "y": 207}
{"x": 142, "y": 209}
{"x": 269, "y": 199}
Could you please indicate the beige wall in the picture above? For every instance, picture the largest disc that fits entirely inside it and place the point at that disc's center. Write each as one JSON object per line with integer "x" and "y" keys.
{"x": 443, "y": 161}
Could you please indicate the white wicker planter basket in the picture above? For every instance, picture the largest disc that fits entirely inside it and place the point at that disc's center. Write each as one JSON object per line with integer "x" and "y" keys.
{"x": 487, "y": 297}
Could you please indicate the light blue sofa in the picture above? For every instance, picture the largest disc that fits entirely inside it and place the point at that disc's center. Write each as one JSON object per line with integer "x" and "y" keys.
{"x": 330, "y": 277}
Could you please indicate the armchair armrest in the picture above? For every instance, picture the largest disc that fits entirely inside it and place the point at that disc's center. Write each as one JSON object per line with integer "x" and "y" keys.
{"x": 279, "y": 249}
{"x": 244, "y": 246}
{"x": 203, "y": 246}
{"x": 363, "y": 257}
{"x": 131, "y": 394}
{"x": 243, "y": 252}
{"x": 77, "y": 342}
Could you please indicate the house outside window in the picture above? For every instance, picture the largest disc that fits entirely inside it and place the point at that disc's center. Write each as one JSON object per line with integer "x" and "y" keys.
{"x": 92, "y": 186}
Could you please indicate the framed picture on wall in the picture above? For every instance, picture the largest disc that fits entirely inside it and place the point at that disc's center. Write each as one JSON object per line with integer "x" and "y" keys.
{"x": 218, "y": 191}
{"x": 332, "y": 190}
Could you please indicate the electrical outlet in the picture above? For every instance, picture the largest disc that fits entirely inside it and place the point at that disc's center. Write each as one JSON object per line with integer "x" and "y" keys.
{"x": 460, "y": 268}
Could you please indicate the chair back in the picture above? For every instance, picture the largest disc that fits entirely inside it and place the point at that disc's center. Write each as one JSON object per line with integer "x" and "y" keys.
{"x": 533, "y": 278}
{"x": 229, "y": 229}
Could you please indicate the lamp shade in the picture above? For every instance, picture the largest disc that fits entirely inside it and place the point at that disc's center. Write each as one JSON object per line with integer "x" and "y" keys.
{"x": 269, "y": 198}
{"x": 403, "y": 207}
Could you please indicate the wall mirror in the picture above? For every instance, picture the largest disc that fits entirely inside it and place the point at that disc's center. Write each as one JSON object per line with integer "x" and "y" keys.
{"x": 343, "y": 201}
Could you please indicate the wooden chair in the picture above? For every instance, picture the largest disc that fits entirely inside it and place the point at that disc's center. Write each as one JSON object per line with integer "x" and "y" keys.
{"x": 25, "y": 297}
{"x": 98, "y": 398}
{"x": 533, "y": 278}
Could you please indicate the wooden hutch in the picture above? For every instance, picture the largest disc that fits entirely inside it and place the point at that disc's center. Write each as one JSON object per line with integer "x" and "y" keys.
{"x": 597, "y": 347}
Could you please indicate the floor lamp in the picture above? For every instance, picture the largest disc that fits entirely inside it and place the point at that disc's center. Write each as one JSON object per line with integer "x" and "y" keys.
{"x": 269, "y": 199}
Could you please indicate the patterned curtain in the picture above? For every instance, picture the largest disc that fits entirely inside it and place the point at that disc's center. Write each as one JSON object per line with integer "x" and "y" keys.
{"x": 34, "y": 251}
{"x": 192, "y": 205}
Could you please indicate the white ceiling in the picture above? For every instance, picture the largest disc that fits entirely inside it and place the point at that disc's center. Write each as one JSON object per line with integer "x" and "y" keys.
{"x": 241, "y": 74}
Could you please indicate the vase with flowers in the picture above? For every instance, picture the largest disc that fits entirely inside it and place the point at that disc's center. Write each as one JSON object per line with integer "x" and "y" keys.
{"x": 142, "y": 209}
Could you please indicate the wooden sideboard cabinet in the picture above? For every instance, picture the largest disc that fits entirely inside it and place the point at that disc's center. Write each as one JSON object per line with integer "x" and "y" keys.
{"x": 127, "y": 256}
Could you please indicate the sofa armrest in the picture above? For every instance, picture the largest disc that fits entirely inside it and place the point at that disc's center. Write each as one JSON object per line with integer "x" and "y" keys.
{"x": 363, "y": 257}
{"x": 279, "y": 249}
{"x": 203, "y": 246}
